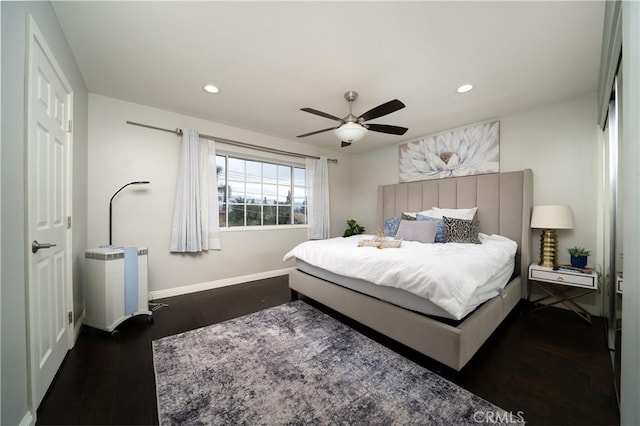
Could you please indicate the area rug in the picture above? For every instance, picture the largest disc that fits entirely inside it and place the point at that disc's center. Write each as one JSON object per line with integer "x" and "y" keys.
{"x": 293, "y": 364}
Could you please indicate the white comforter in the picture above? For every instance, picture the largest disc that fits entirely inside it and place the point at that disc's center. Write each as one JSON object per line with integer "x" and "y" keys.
{"x": 446, "y": 274}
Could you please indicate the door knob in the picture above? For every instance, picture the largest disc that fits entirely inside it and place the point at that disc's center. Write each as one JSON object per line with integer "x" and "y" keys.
{"x": 35, "y": 246}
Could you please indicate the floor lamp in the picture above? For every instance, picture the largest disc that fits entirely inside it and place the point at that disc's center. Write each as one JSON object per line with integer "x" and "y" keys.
{"x": 550, "y": 218}
{"x": 137, "y": 182}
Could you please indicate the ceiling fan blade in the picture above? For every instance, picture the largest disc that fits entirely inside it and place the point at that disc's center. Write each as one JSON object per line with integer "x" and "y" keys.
{"x": 316, "y": 132}
{"x": 345, "y": 144}
{"x": 320, "y": 113}
{"x": 386, "y": 128}
{"x": 384, "y": 109}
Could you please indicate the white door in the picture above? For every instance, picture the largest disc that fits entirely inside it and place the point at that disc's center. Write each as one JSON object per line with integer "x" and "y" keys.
{"x": 48, "y": 180}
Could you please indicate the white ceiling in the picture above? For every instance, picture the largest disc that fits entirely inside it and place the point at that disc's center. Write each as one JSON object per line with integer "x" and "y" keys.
{"x": 270, "y": 59}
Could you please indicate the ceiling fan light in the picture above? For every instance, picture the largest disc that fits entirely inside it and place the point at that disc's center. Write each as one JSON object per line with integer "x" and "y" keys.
{"x": 350, "y": 132}
{"x": 464, "y": 88}
{"x": 211, "y": 88}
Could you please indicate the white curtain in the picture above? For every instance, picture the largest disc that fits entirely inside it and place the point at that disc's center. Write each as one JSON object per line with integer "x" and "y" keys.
{"x": 214, "y": 207}
{"x": 318, "y": 195}
{"x": 195, "y": 216}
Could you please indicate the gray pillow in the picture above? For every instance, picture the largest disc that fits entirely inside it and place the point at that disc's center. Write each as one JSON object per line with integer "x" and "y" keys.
{"x": 417, "y": 230}
{"x": 461, "y": 230}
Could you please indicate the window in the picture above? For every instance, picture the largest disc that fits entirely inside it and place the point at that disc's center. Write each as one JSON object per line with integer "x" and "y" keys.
{"x": 258, "y": 193}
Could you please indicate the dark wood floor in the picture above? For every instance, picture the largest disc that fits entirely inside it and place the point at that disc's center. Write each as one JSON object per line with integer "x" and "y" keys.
{"x": 550, "y": 364}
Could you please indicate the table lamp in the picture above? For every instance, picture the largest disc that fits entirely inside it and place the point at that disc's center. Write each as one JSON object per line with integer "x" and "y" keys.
{"x": 550, "y": 218}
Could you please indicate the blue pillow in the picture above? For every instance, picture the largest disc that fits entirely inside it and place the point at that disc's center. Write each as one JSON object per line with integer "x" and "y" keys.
{"x": 391, "y": 226}
{"x": 440, "y": 236}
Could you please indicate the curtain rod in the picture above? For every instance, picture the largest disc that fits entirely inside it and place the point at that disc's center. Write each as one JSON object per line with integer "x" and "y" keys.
{"x": 178, "y": 132}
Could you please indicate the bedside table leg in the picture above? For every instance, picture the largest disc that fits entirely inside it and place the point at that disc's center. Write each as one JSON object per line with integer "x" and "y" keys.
{"x": 562, "y": 297}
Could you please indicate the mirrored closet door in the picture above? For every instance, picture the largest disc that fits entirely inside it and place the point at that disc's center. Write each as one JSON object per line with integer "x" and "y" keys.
{"x": 613, "y": 277}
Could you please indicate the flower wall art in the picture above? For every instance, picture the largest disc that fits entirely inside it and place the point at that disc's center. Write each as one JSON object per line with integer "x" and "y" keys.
{"x": 465, "y": 151}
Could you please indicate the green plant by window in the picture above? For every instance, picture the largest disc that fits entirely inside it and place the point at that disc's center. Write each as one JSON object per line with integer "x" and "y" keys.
{"x": 353, "y": 228}
{"x": 579, "y": 251}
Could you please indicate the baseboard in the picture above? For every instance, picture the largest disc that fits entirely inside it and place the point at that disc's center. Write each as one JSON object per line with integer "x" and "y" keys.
{"x": 27, "y": 420}
{"x": 77, "y": 327}
{"x": 192, "y": 288}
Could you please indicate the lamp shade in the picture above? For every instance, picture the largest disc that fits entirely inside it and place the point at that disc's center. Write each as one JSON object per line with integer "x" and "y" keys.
{"x": 552, "y": 217}
{"x": 350, "y": 132}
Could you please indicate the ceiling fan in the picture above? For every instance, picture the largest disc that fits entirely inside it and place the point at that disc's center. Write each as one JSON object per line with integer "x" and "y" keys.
{"x": 352, "y": 128}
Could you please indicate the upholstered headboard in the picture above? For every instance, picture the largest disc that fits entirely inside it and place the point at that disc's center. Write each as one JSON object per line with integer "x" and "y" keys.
{"x": 504, "y": 202}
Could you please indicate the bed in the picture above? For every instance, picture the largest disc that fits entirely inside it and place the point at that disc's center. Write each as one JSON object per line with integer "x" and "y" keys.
{"x": 503, "y": 204}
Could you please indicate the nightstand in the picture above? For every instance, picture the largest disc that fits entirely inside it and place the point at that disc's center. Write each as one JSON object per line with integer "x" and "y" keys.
{"x": 563, "y": 287}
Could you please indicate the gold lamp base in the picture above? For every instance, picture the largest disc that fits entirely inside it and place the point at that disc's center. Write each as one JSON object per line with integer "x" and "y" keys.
{"x": 548, "y": 248}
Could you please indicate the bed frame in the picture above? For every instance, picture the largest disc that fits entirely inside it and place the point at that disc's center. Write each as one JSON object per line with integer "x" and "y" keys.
{"x": 504, "y": 207}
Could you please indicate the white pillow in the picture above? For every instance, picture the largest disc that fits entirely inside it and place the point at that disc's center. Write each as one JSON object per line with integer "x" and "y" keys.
{"x": 466, "y": 214}
{"x": 423, "y": 213}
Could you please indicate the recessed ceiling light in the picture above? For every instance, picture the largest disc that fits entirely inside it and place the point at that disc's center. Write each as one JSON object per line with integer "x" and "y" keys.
{"x": 464, "y": 88}
{"x": 211, "y": 88}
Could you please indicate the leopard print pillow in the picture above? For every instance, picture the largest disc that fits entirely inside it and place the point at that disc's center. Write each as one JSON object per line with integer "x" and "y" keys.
{"x": 461, "y": 230}
{"x": 407, "y": 216}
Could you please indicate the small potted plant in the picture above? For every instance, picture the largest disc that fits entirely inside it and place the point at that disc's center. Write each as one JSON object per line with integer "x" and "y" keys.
{"x": 353, "y": 229}
{"x": 579, "y": 256}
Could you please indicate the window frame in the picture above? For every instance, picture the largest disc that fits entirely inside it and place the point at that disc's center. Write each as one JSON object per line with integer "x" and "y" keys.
{"x": 246, "y": 158}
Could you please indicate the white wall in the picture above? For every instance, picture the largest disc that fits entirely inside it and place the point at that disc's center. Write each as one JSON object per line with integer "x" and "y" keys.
{"x": 14, "y": 367}
{"x": 559, "y": 142}
{"x": 119, "y": 153}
